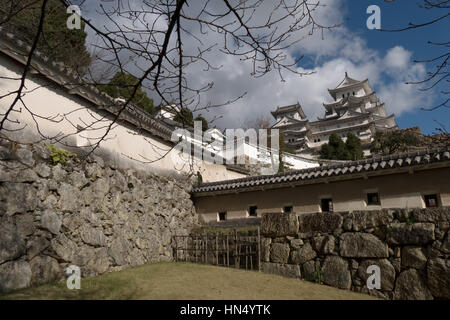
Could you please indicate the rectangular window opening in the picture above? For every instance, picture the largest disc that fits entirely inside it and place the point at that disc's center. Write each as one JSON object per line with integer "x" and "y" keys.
{"x": 252, "y": 211}
{"x": 373, "y": 198}
{"x": 222, "y": 216}
{"x": 326, "y": 205}
{"x": 431, "y": 200}
{"x": 288, "y": 209}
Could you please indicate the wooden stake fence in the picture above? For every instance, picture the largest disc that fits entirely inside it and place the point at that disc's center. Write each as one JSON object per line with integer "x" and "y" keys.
{"x": 238, "y": 249}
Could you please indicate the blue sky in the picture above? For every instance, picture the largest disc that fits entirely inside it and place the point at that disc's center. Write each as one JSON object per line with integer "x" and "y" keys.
{"x": 395, "y": 15}
{"x": 386, "y": 59}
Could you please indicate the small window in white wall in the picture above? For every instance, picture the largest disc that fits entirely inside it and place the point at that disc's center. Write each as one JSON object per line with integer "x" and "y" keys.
{"x": 222, "y": 216}
{"x": 373, "y": 199}
{"x": 431, "y": 200}
{"x": 288, "y": 209}
{"x": 326, "y": 205}
{"x": 252, "y": 211}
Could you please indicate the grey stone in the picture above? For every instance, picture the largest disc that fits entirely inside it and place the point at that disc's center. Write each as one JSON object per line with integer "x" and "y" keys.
{"x": 335, "y": 272}
{"x": 296, "y": 243}
{"x": 17, "y": 198}
{"x": 14, "y": 275}
{"x": 51, "y": 221}
{"x": 99, "y": 263}
{"x": 118, "y": 251}
{"x": 25, "y": 224}
{"x": 445, "y": 248}
{"x": 25, "y": 156}
{"x": 285, "y": 270}
{"x": 58, "y": 173}
{"x": 92, "y": 236}
{"x": 302, "y": 255}
{"x": 265, "y": 249}
{"x": 438, "y": 275}
{"x": 431, "y": 214}
{"x": 411, "y": 286}
{"x": 387, "y": 273}
{"x": 324, "y": 222}
{"x": 64, "y": 248}
{"x": 361, "y": 220}
{"x": 413, "y": 257}
{"x": 279, "y": 224}
{"x": 36, "y": 245}
{"x": 50, "y": 202}
{"x": 362, "y": 245}
{"x": 26, "y": 175}
{"x": 44, "y": 269}
{"x": 279, "y": 253}
{"x": 410, "y": 234}
{"x": 43, "y": 170}
{"x": 12, "y": 246}
{"x": 310, "y": 270}
{"x": 78, "y": 180}
{"x": 5, "y": 153}
{"x": 324, "y": 244}
{"x": 70, "y": 198}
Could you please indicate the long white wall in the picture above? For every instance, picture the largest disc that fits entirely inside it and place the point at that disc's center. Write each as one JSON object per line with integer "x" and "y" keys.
{"x": 52, "y": 112}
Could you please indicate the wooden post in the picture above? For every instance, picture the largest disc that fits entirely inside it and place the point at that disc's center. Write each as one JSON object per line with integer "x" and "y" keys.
{"x": 217, "y": 249}
{"x": 196, "y": 248}
{"x": 259, "y": 250}
{"x": 236, "y": 250}
{"x": 206, "y": 247}
{"x": 228, "y": 252}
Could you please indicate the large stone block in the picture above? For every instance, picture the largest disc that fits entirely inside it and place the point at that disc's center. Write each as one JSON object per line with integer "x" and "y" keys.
{"x": 285, "y": 270}
{"x": 361, "y": 220}
{"x": 324, "y": 222}
{"x": 324, "y": 244}
{"x": 12, "y": 246}
{"x": 438, "y": 275}
{"x": 413, "y": 257}
{"x": 411, "y": 286}
{"x": 17, "y": 198}
{"x": 279, "y": 252}
{"x": 335, "y": 272}
{"x": 51, "y": 221}
{"x": 265, "y": 249}
{"x": 45, "y": 269}
{"x": 92, "y": 236}
{"x": 279, "y": 224}
{"x": 302, "y": 255}
{"x": 431, "y": 214}
{"x": 362, "y": 245}
{"x": 387, "y": 273}
{"x": 14, "y": 275}
{"x": 410, "y": 234}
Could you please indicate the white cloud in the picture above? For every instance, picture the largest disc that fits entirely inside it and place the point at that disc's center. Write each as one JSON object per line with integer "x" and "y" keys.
{"x": 398, "y": 58}
{"x": 341, "y": 50}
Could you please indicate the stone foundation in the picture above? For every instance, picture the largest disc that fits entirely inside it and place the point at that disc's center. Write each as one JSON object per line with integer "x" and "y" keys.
{"x": 411, "y": 248}
{"x": 89, "y": 213}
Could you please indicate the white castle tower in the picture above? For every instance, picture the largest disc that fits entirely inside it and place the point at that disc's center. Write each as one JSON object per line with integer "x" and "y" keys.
{"x": 355, "y": 109}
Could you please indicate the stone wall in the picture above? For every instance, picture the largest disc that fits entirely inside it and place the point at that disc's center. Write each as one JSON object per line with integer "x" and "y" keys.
{"x": 411, "y": 248}
{"x": 87, "y": 213}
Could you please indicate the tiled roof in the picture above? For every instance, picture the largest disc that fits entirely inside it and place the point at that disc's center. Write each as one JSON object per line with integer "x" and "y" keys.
{"x": 59, "y": 73}
{"x": 348, "y": 169}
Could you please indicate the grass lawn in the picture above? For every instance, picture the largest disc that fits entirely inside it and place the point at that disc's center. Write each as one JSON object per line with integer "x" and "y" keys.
{"x": 189, "y": 281}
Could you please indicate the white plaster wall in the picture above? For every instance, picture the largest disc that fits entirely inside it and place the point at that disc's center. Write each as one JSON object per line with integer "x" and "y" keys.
{"x": 123, "y": 145}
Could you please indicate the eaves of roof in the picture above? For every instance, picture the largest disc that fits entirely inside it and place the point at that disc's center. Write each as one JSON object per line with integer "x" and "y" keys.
{"x": 397, "y": 163}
